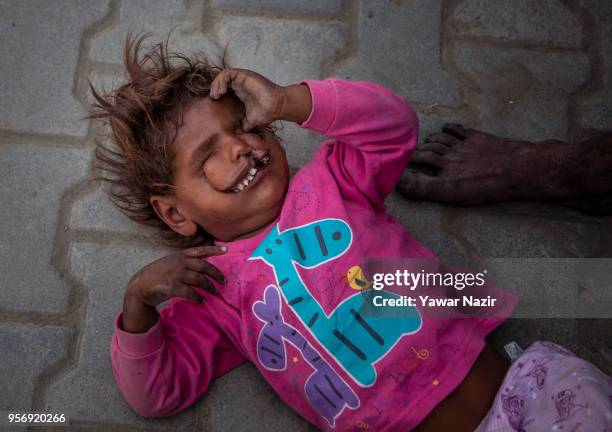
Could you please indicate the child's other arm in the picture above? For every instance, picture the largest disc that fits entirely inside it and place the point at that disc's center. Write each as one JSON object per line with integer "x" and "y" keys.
{"x": 170, "y": 366}
{"x": 375, "y": 131}
{"x": 164, "y": 361}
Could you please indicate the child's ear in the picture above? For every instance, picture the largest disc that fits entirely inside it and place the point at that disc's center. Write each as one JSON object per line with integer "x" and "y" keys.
{"x": 166, "y": 209}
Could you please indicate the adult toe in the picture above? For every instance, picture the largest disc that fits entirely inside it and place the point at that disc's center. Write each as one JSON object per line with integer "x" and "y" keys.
{"x": 434, "y": 146}
{"x": 456, "y": 130}
{"x": 443, "y": 138}
{"x": 427, "y": 157}
{"x": 418, "y": 186}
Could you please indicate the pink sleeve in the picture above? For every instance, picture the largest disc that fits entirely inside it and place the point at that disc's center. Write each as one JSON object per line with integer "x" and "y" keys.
{"x": 166, "y": 369}
{"x": 374, "y": 132}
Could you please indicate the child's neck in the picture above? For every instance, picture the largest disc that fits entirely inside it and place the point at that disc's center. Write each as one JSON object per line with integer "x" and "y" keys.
{"x": 255, "y": 231}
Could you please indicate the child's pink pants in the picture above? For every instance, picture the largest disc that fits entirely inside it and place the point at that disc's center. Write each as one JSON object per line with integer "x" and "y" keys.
{"x": 548, "y": 388}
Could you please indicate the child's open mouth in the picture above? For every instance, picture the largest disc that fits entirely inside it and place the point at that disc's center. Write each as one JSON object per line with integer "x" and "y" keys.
{"x": 254, "y": 174}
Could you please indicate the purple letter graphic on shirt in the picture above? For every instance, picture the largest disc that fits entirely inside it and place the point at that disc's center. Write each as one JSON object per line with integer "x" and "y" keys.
{"x": 326, "y": 391}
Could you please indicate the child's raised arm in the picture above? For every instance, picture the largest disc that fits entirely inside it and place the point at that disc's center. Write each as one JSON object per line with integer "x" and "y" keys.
{"x": 375, "y": 132}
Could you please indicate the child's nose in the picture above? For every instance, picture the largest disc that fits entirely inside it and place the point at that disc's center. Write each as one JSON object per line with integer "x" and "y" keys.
{"x": 237, "y": 148}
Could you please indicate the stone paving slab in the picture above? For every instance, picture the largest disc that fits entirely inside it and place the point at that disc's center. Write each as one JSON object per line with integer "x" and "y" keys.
{"x": 504, "y": 235}
{"x": 40, "y": 49}
{"x": 157, "y": 17}
{"x": 104, "y": 270}
{"x": 242, "y": 401}
{"x": 261, "y": 44}
{"x": 93, "y": 211}
{"x": 427, "y": 222}
{"x": 522, "y": 94}
{"x": 399, "y": 46}
{"x": 27, "y": 351}
{"x": 38, "y": 177}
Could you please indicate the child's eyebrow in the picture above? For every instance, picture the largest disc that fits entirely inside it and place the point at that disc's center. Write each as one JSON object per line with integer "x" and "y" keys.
{"x": 202, "y": 147}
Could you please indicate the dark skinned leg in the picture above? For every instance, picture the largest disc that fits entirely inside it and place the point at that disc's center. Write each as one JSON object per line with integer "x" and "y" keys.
{"x": 474, "y": 167}
{"x": 464, "y": 409}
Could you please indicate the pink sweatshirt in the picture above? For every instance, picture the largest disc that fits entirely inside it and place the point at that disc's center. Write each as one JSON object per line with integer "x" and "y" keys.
{"x": 288, "y": 307}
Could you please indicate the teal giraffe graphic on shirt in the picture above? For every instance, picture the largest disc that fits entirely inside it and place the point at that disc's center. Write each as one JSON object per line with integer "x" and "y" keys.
{"x": 355, "y": 341}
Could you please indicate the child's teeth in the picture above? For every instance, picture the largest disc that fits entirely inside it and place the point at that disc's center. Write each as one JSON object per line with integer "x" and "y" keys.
{"x": 245, "y": 182}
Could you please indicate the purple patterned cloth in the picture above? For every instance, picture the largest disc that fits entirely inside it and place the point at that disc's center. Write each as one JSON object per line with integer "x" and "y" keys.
{"x": 548, "y": 388}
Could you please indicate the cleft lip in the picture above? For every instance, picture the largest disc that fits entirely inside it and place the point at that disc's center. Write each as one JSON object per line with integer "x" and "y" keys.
{"x": 259, "y": 154}
{"x": 256, "y": 161}
{"x": 259, "y": 160}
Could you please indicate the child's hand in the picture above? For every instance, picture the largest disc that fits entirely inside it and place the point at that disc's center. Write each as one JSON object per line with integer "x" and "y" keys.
{"x": 171, "y": 276}
{"x": 263, "y": 100}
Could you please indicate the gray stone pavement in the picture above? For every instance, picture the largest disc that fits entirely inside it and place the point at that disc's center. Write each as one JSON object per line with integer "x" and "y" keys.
{"x": 529, "y": 69}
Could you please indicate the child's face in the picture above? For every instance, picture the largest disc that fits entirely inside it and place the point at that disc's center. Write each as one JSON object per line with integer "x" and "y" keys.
{"x": 213, "y": 155}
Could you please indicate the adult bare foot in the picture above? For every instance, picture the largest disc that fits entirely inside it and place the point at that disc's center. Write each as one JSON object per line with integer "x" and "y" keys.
{"x": 474, "y": 167}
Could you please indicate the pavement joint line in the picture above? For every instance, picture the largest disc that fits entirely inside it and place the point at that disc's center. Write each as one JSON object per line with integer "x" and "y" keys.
{"x": 452, "y": 41}
{"x": 110, "y": 238}
{"x": 277, "y": 13}
{"x": 350, "y": 50}
{"x": 449, "y": 62}
{"x": 76, "y": 310}
{"x": 106, "y": 68}
{"x": 37, "y": 318}
{"x": 210, "y": 19}
{"x": 280, "y": 14}
{"x": 449, "y": 112}
{"x": 564, "y": 214}
{"x": 84, "y": 67}
{"x": 592, "y": 44}
{"x": 518, "y": 44}
{"x": 8, "y": 136}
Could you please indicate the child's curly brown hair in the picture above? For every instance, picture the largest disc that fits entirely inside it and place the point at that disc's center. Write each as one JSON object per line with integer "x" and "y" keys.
{"x": 144, "y": 115}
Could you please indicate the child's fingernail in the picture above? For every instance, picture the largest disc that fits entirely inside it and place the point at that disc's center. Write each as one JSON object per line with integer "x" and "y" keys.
{"x": 223, "y": 248}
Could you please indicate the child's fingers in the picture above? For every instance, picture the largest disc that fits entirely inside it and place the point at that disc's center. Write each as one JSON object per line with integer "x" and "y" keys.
{"x": 204, "y": 251}
{"x": 215, "y": 87}
{"x": 206, "y": 268}
{"x": 221, "y": 82}
{"x": 196, "y": 279}
{"x": 228, "y": 78}
{"x": 185, "y": 291}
